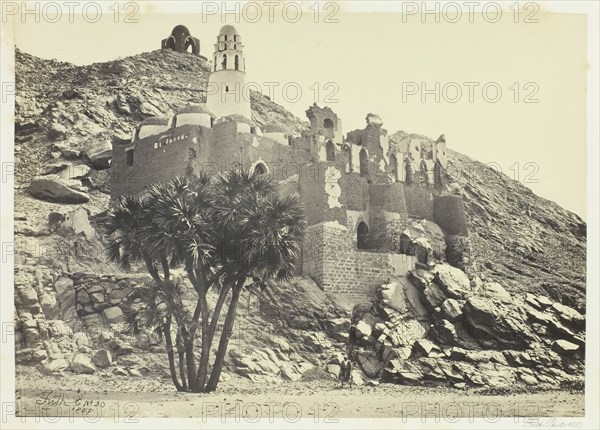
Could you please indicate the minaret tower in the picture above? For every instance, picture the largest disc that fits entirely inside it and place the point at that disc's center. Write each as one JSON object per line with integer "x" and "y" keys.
{"x": 226, "y": 83}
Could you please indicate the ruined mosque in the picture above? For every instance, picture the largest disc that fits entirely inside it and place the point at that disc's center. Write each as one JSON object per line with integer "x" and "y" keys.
{"x": 361, "y": 191}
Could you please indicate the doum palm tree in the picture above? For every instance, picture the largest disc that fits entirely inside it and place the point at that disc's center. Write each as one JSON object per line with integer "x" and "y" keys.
{"x": 222, "y": 230}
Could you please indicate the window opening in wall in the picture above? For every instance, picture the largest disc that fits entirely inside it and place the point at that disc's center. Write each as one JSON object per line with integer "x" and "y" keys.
{"x": 362, "y": 234}
{"x": 129, "y": 154}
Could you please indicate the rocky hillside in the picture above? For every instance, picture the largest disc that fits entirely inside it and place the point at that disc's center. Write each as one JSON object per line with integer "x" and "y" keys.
{"x": 527, "y": 242}
{"x": 530, "y": 243}
{"x": 69, "y": 298}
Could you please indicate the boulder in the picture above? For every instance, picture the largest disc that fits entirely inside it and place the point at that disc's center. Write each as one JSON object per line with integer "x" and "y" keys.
{"x": 83, "y": 297}
{"x": 39, "y": 355}
{"x": 65, "y": 293}
{"x": 363, "y": 330}
{"x": 445, "y": 332}
{"x": 451, "y": 309}
{"x": 564, "y": 347}
{"x": 77, "y": 171}
{"x": 496, "y": 325}
{"x": 113, "y": 315}
{"x": 406, "y": 332}
{"x": 58, "y": 329}
{"x": 82, "y": 364}
{"x": 149, "y": 110}
{"x": 56, "y": 131}
{"x": 102, "y": 358}
{"x": 392, "y": 295}
{"x": 26, "y": 295}
{"x": 99, "y": 154}
{"x": 52, "y": 169}
{"x": 424, "y": 348}
{"x": 568, "y": 315}
{"x": 78, "y": 221}
{"x": 532, "y": 301}
{"x": 81, "y": 340}
{"x": 424, "y": 239}
{"x": 49, "y": 305}
{"x": 357, "y": 378}
{"x": 27, "y": 229}
{"x": 54, "y": 190}
{"x": 495, "y": 291}
{"x": 54, "y": 366}
{"x": 453, "y": 282}
{"x": 544, "y": 301}
{"x": 369, "y": 363}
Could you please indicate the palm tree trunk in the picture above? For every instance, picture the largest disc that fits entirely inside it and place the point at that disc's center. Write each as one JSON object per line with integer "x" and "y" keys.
{"x": 181, "y": 355}
{"x": 182, "y": 369}
{"x": 227, "y": 329}
{"x": 171, "y": 355}
{"x": 152, "y": 269}
{"x": 207, "y": 343}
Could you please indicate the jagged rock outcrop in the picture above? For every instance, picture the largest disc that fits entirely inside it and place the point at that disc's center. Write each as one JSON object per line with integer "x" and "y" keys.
{"x": 478, "y": 335}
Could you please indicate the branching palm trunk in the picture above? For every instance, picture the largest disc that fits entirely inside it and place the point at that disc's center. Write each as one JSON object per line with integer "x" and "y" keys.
{"x": 169, "y": 341}
{"x": 224, "y": 341}
{"x": 207, "y": 343}
{"x": 181, "y": 354}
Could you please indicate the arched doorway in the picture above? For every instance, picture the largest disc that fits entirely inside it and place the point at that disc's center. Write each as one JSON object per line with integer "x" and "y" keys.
{"x": 438, "y": 175}
{"x": 260, "y": 169}
{"x": 362, "y": 235}
{"x": 364, "y": 162}
{"x": 224, "y": 62}
{"x": 408, "y": 172}
{"x": 347, "y": 149}
{"x": 394, "y": 167}
{"x": 330, "y": 151}
{"x": 423, "y": 177}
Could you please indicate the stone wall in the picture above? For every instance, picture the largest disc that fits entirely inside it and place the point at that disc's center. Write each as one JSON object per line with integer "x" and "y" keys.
{"x": 419, "y": 201}
{"x": 346, "y": 270}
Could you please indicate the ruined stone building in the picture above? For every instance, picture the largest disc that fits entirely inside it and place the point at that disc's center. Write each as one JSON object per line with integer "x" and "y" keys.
{"x": 361, "y": 191}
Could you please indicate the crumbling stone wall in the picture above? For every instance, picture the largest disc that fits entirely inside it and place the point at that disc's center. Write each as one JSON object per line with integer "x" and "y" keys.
{"x": 347, "y": 270}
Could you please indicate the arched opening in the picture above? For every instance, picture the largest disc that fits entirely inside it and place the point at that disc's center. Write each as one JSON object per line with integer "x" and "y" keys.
{"x": 237, "y": 63}
{"x": 215, "y": 68}
{"x": 235, "y": 46}
{"x": 423, "y": 180}
{"x": 260, "y": 169}
{"x": 226, "y": 88}
{"x": 224, "y": 62}
{"x": 348, "y": 153}
{"x": 406, "y": 247}
{"x": 330, "y": 151}
{"x": 408, "y": 172}
{"x": 438, "y": 175}
{"x": 364, "y": 163}
{"x": 328, "y": 123}
{"x": 362, "y": 234}
{"x": 394, "y": 167}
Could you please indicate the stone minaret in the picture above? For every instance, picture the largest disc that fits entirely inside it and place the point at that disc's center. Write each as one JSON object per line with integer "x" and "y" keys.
{"x": 226, "y": 94}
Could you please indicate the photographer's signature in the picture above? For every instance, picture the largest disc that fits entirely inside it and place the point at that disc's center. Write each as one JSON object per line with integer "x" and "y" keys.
{"x": 50, "y": 401}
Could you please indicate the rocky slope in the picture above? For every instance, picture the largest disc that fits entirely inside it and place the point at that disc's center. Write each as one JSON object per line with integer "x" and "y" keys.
{"x": 68, "y": 297}
{"x": 530, "y": 243}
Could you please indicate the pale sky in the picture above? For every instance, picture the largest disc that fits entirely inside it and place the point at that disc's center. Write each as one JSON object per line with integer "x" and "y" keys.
{"x": 373, "y": 60}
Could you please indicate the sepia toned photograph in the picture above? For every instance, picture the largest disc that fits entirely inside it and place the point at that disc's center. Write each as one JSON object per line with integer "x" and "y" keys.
{"x": 299, "y": 214}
